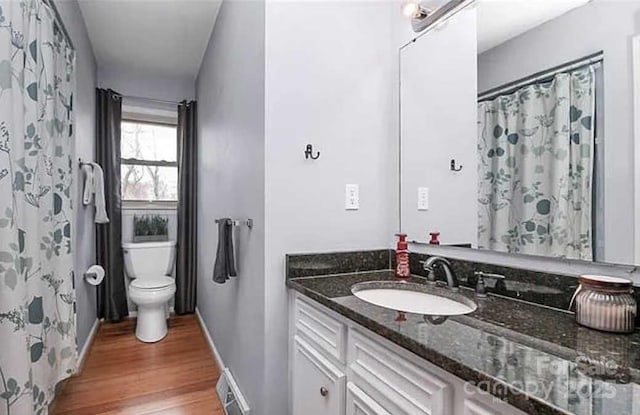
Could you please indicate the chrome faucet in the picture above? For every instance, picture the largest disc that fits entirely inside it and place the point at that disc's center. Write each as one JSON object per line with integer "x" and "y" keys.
{"x": 434, "y": 261}
{"x": 481, "y": 289}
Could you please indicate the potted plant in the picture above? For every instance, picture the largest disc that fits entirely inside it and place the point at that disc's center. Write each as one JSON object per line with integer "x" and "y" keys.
{"x": 150, "y": 228}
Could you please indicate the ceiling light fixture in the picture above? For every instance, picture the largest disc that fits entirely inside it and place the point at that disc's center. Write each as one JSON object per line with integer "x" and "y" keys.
{"x": 419, "y": 10}
{"x": 415, "y": 10}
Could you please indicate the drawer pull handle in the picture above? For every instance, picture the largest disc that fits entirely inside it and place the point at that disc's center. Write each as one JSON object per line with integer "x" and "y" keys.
{"x": 324, "y": 391}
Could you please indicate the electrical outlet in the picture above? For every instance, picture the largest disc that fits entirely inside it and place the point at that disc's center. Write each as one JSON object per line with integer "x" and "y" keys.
{"x": 352, "y": 197}
{"x": 423, "y": 198}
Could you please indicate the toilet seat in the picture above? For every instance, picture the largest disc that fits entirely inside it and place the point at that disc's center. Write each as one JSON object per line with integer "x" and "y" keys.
{"x": 152, "y": 283}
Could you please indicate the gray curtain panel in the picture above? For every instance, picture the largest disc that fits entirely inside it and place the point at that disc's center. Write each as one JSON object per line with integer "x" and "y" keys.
{"x": 112, "y": 297}
{"x": 186, "y": 263}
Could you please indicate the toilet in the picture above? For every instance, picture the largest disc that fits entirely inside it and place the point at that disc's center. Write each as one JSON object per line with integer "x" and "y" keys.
{"x": 149, "y": 266}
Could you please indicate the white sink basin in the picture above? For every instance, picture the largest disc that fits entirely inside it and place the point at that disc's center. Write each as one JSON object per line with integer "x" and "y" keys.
{"x": 413, "y": 298}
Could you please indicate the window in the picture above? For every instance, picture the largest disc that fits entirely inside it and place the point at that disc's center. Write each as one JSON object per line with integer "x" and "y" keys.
{"x": 149, "y": 164}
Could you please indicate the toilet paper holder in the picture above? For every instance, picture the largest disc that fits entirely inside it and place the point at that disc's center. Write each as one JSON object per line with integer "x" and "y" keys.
{"x": 94, "y": 275}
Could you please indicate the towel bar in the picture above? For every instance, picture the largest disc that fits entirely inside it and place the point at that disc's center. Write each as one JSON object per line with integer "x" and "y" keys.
{"x": 248, "y": 222}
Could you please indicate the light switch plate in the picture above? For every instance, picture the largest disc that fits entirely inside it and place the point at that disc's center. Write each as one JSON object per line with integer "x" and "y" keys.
{"x": 352, "y": 197}
{"x": 423, "y": 198}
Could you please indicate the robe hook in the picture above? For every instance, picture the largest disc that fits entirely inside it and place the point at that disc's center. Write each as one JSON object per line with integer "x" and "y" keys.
{"x": 308, "y": 153}
{"x": 453, "y": 166}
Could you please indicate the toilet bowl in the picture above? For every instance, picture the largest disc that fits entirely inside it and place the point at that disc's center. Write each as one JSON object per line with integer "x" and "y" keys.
{"x": 148, "y": 265}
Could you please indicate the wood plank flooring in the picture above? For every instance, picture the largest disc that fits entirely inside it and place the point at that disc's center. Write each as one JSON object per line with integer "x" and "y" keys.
{"x": 121, "y": 375}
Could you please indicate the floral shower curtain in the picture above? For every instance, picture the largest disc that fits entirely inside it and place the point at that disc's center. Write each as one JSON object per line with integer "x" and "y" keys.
{"x": 535, "y": 168}
{"x": 37, "y": 317}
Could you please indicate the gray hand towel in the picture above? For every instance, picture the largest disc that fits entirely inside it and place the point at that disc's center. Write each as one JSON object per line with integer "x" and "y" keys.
{"x": 225, "y": 262}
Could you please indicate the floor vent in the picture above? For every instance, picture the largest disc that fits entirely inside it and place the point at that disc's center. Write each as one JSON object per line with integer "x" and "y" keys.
{"x": 232, "y": 400}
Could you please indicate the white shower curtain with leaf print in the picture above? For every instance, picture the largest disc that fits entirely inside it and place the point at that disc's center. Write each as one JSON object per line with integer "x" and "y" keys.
{"x": 37, "y": 317}
{"x": 536, "y": 167}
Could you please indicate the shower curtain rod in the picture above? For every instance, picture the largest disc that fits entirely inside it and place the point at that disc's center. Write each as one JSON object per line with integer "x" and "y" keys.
{"x": 540, "y": 76}
{"x": 58, "y": 22}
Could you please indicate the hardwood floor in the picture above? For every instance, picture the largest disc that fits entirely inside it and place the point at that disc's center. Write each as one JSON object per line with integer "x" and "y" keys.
{"x": 121, "y": 375}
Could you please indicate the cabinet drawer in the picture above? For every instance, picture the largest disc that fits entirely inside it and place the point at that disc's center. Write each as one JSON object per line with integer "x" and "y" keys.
{"x": 487, "y": 405}
{"x": 359, "y": 403}
{"x": 398, "y": 384}
{"x": 325, "y": 332}
{"x": 318, "y": 386}
{"x": 475, "y": 408}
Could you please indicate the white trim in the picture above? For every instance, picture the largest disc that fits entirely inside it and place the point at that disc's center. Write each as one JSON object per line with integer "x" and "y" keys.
{"x": 635, "y": 45}
{"x": 212, "y": 346}
{"x": 87, "y": 345}
{"x": 226, "y": 377}
{"x": 291, "y": 347}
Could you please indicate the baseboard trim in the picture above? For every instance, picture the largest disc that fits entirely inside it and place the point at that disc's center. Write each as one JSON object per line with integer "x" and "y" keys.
{"x": 212, "y": 346}
{"x": 87, "y": 345}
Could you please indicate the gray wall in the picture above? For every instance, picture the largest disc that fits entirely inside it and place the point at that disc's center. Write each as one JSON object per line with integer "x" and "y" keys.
{"x": 599, "y": 25}
{"x": 146, "y": 85}
{"x": 84, "y": 106}
{"x": 230, "y": 93}
{"x": 329, "y": 82}
{"x": 263, "y": 94}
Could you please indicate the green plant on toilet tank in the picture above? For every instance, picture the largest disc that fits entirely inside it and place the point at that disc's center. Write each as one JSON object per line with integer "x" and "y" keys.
{"x": 148, "y": 228}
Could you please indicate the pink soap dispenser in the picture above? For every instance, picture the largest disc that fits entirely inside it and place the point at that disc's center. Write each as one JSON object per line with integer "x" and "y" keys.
{"x": 403, "y": 270}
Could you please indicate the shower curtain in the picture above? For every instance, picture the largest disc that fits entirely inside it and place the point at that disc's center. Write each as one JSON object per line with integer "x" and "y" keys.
{"x": 535, "y": 169}
{"x": 37, "y": 317}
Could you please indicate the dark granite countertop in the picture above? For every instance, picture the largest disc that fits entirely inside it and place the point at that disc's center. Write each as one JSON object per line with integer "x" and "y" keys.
{"x": 535, "y": 358}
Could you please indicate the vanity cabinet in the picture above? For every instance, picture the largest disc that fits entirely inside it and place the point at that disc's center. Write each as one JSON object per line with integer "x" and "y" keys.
{"x": 341, "y": 368}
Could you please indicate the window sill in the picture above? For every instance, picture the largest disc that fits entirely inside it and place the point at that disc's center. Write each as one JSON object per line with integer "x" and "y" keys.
{"x": 146, "y": 205}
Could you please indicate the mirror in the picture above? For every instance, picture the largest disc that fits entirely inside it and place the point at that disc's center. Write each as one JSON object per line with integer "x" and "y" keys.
{"x": 517, "y": 129}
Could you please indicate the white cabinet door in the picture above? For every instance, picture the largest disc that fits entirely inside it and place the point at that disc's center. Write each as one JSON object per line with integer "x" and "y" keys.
{"x": 318, "y": 385}
{"x": 359, "y": 403}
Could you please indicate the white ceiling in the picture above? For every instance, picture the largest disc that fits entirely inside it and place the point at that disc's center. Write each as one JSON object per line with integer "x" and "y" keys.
{"x": 163, "y": 37}
{"x": 501, "y": 20}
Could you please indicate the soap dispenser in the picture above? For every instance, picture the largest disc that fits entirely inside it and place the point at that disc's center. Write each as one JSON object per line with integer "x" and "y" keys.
{"x": 403, "y": 270}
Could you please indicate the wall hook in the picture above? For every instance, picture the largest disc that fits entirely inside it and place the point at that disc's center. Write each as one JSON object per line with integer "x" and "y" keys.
{"x": 308, "y": 153}
{"x": 453, "y": 166}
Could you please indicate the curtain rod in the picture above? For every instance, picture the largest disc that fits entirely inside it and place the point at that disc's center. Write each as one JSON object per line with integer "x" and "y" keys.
{"x": 540, "y": 76}
{"x": 162, "y": 101}
{"x": 58, "y": 22}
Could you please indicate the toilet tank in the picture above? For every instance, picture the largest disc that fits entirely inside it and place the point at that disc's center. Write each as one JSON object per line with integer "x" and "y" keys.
{"x": 149, "y": 259}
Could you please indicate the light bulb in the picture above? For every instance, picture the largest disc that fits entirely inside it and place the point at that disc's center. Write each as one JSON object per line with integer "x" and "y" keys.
{"x": 411, "y": 9}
